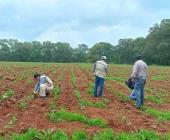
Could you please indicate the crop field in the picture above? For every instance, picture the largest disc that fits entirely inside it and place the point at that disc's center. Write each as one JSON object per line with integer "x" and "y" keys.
{"x": 72, "y": 113}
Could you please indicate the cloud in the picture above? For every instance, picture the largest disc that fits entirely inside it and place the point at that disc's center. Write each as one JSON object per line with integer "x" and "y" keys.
{"x": 77, "y": 21}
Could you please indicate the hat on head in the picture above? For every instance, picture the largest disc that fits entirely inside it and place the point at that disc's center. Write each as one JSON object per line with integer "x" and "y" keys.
{"x": 103, "y": 58}
{"x": 138, "y": 57}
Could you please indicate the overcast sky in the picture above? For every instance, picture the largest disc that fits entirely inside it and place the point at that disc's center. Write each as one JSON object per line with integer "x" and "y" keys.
{"x": 80, "y": 21}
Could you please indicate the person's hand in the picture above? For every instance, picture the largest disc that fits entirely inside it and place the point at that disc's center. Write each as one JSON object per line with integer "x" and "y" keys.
{"x": 133, "y": 80}
{"x": 144, "y": 82}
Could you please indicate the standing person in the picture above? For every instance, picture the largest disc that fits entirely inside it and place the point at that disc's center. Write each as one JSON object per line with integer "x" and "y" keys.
{"x": 100, "y": 69}
{"x": 139, "y": 75}
{"x": 43, "y": 86}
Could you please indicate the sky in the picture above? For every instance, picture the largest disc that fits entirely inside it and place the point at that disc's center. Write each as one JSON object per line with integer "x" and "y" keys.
{"x": 80, "y": 21}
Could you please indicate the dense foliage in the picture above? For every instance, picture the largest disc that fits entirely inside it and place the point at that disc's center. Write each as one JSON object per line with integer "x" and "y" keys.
{"x": 155, "y": 48}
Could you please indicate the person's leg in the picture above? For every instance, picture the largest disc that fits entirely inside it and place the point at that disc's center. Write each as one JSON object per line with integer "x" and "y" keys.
{"x": 133, "y": 93}
{"x": 48, "y": 89}
{"x": 139, "y": 86}
{"x": 43, "y": 90}
{"x": 142, "y": 92}
{"x": 96, "y": 86}
{"x": 101, "y": 87}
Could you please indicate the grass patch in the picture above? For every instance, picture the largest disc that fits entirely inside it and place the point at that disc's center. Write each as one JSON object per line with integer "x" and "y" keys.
{"x": 22, "y": 105}
{"x": 91, "y": 88}
{"x": 7, "y": 94}
{"x": 70, "y": 116}
{"x": 159, "y": 77}
{"x": 56, "y": 92}
{"x": 106, "y": 134}
{"x": 117, "y": 79}
{"x": 96, "y": 104}
{"x": 79, "y": 135}
{"x": 162, "y": 115}
{"x": 154, "y": 99}
{"x": 122, "y": 97}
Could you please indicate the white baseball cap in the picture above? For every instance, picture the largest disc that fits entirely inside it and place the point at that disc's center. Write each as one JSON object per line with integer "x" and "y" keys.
{"x": 103, "y": 58}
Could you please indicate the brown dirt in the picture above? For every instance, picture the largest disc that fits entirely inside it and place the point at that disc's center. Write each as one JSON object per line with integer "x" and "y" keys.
{"x": 121, "y": 116}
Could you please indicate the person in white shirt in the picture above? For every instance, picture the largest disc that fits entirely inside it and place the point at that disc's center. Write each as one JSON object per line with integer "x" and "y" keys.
{"x": 100, "y": 69}
{"x": 139, "y": 76}
{"x": 43, "y": 86}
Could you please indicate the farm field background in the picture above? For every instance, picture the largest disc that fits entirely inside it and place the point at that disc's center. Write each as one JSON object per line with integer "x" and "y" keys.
{"x": 71, "y": 109}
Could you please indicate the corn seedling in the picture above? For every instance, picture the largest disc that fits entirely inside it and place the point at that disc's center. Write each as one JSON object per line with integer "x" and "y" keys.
{"x": 7, "y": 94}
{"x": 70, "y": 116}
{"x": 79, "y": 135}
{"x": 56, "y": 92}
{"x": 22, "y": 105}
{"x": 52, "y": 106}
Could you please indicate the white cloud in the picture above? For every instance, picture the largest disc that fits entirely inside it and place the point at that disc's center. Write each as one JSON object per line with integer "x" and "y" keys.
{"x": 76, "y": 21}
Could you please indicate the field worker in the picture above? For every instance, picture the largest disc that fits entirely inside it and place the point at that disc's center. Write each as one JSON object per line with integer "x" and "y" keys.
{"x": 100, "y": 69}
{"x": 43, "y": 86}
{"x": 139, "y": 75}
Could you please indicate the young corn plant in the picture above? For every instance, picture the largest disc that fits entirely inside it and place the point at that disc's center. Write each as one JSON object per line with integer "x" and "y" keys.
{"x": 71, "y": 116}
{"x": 91, "y": 88}
{"x": 7, "y": 94}
{"x": 56, "y": 92}
{"x": 59, "y": 135}
{"x": 52, "y": 106}
{"x": 79, "y": 135}
{"x": 73, "y": 77}
{"x": 22, "y": 105}
{"x": 11, "y": 122}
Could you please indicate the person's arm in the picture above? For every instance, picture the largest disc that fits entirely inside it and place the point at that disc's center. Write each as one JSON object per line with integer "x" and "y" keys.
{"x": 134, "y": 73}
{"x": 94, "y": 67}
{"x": 49, "y": 81}
{"x": 106, "y": 68}
{"x": 37, "y": 88}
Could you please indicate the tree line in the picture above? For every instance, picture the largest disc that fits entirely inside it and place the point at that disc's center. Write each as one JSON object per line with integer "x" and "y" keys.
{"x": 155, "y": 49}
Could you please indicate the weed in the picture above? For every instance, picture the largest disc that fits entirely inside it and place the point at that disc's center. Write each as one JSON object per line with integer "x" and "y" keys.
{"x": 52, "y": 106}
{"x": 96, "y": 104}
{"x": 79, "y": 135}
{"x": 22, "y": 105}
{"x": 7, "y": 94}
{"x": 59, "y": 135}
{"x": 56, "y": 92}
{"x": 30, "y": 134}
{"x": 162, "y": 115}
{"x": 107, "y": 134}
{"x": 70, "y": 116}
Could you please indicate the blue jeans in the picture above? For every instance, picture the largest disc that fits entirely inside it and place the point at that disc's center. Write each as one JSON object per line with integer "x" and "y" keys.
{"x": 99, "y": 86}
{"x": 138, "y": 92}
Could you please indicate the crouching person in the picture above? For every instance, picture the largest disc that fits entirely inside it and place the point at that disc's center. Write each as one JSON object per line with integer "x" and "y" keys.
{"x": 43, "y": 86}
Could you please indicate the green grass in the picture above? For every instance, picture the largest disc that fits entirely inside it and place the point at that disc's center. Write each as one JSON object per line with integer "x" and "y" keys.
{"x": 95, "y": 104}
{"x": 79, "y": 135}
{"x": 117, "y": 79}
{"x": 70, "y": 116}
{"x": 154, "y": 99}
{"x": 91, "y": 88}
{"x": 162, "y": 115}
{"x": 106, "y": 134}
{"x": 88, "y": 103}
{"x": 122, "y": 97}
{"x": 159, "y": 77}
{"x": 56, "y": 91}
{"x": 7, "y": 94}
{"x": 22, "y": 105}
{"x": 52, "y": 106}
{"x": 73, "y": 77}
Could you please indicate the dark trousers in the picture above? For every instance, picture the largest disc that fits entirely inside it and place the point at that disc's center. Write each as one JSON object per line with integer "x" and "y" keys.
{"x": 99, "y": 86}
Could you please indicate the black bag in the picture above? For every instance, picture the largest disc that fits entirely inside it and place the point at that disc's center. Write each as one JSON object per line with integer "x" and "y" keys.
{"x": 129, "y": 83}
